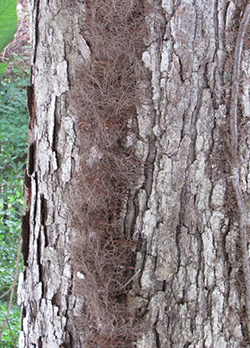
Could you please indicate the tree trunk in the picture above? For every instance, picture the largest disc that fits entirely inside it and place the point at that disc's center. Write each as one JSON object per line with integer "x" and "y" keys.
{"x": 188, "y": 287}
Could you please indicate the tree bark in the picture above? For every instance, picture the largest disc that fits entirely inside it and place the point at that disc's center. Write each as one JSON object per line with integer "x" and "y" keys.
{"x": 189, "y": 289}
{"x": 46, "y": 282}
{"x": 192, "y": 265}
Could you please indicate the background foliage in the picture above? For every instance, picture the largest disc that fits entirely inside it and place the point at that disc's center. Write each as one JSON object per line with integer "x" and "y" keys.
{"x": 13, "y": 148}
{"x": 8, "y": 25}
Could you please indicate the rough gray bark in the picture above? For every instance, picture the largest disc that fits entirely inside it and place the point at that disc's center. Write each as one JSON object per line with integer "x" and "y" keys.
{"x": 45, "y": 285}
{"x": 191, "y": 264}
{"x": 190, "y": 291}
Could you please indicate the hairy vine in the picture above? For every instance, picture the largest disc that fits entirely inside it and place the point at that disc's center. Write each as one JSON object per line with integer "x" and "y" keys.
{"x": 106, "y": 101}
{"x": 235, "y": 165}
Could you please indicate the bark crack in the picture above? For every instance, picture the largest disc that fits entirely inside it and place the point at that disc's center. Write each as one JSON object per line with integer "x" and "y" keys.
{"x": 157, "y": 336}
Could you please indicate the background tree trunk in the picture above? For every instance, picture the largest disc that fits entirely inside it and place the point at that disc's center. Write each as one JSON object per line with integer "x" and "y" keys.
{"x": 189, "y": 290}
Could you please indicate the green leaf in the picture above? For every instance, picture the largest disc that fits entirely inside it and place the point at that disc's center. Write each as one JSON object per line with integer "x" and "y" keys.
{"x": 8, "y": 22}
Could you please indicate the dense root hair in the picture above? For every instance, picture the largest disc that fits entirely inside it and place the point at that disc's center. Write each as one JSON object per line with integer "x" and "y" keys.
{"x": 106, "y": 99}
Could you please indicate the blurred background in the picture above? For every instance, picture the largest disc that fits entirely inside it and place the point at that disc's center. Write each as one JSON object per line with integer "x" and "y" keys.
{"x": 14, "y": 77}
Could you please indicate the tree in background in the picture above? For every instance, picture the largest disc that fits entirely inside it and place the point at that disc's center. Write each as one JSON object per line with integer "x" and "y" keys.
{"x": 137, "y": 175}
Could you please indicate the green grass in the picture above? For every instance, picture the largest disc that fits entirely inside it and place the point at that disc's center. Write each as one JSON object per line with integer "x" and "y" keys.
{"x": 8, "y": 22}
{"x": 8, "y": 25}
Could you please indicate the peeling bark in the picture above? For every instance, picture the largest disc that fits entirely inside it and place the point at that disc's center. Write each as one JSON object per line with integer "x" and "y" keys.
{"x": 190, "y": 290}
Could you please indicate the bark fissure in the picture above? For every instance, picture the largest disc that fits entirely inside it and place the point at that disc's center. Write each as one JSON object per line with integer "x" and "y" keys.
{"x": 35, "y": 13}
{"x": 157, "y": 338}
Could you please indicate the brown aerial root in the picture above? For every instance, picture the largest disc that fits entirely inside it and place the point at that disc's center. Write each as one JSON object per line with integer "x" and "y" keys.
{"x": 105, "y": 100}
{"x": 103, "y": 266}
